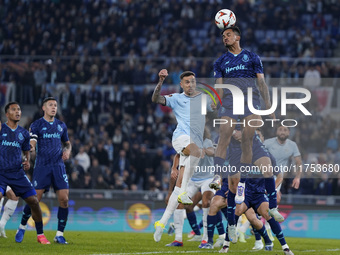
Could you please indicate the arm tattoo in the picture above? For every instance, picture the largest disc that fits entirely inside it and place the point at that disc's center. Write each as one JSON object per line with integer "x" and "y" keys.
{"x": 264, "y": 91}
{"x": 156, "y": 97}
{"x": 67, "y": 145}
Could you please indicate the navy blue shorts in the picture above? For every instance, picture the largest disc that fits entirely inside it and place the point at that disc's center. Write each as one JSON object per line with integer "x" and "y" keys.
{"x": 45, "y": 176}
{"x": 254, "y": 200}
{"x": 227, "y": 109}
{"x": 221, "y": 192}
{"x": 18, "y": 181}
{"x": 259, "y": 151}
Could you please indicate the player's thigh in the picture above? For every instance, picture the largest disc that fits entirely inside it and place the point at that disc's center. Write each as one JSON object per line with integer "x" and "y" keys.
{"x": 179, "y": 144}
{"x": 42, "y": 177}
{"x": 21, "y": 185}
{"x": 59, "y": 178}
{"x": 265, "y": 165}
{"x": 226, "y": 130}
{"x": 10, "y": 194}
{"x": 252, "y": 122}
{"x": 193, "y": 188}
{"x": 252, "y": 218}
{"x": 263, "y": 210}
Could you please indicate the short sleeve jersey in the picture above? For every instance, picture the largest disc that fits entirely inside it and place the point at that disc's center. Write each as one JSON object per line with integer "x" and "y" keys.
{"x": 282, "y": 152}
{"x": 12, "y": 143}
{"x": 239, "y": 70}
{"x": 49, "y": 136}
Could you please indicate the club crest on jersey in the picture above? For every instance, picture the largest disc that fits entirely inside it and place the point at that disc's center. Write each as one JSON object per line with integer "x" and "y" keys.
{"x": 20, "y": 136}
{"x": 60, "y": 129}
{"x": 245, "y": 58}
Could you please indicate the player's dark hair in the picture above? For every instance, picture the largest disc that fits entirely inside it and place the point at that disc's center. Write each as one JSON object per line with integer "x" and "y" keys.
{"x": 48, "y": 99}
{"x": 9, "y": 104}
{"x": 235, "y": 29}
{"x": 186, "y": 73}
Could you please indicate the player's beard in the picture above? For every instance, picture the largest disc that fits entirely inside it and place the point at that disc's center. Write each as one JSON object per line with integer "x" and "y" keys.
{"x": 282, "y": 138}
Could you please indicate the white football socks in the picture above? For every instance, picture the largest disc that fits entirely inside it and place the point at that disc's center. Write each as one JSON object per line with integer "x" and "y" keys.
{"x": 171, "y": 207}
{"x": 179, "y": 222}
{"x": 9, "y": 209}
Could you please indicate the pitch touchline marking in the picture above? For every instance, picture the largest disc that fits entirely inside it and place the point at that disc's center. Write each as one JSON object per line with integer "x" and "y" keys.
{"x": 205, "y": 251}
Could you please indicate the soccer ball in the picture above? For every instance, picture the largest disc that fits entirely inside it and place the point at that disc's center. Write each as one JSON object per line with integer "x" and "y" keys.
{"x": 225, "y": 18}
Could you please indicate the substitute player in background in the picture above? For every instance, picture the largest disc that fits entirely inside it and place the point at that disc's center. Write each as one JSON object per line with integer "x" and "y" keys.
{"x": 47, "y": 134}
{"x": 283, "y": 149}
{"x": 187, "y": 138}
{"x": 14, "y": 140}
{"x": 240, "y": 68}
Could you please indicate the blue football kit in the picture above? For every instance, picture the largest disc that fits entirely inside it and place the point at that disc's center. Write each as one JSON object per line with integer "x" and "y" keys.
{"x": 12, "y": 143}
{"x": 49, "y": 168}
{"x": 239, "y": 70}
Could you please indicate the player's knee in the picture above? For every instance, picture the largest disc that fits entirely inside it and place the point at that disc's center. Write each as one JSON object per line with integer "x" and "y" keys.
{"x": 193, "y": 150}
{"x": 63, "y": 202}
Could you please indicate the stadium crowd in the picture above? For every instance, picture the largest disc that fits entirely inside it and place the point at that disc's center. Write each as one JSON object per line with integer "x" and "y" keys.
{"x": 120, "y": 139}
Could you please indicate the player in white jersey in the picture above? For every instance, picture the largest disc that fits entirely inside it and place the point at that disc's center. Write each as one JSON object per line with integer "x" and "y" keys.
{"x": 283, "y": 149}
{"x": 187, "y": 138}
{"x": 199, "y": 182}
{"x": 9, "y": 209}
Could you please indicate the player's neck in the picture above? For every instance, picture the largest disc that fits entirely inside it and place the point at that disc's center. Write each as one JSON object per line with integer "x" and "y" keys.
{"x": 49, "y": 118}
{"x": 280, "y": 141}
{"x": 12, "y": 124}
{"x": 235, "y": 49}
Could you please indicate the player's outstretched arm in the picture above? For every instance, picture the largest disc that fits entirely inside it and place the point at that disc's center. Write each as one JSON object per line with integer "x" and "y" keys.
{"x": 264, "y": 91}
{"x": 67, "y": 150}
{"x": 156, "y": 97}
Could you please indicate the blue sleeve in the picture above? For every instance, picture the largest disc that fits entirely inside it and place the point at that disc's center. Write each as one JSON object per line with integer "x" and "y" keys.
{"x": 217, "y": 69}
{"x": 64, "y": 137}
{"x": 26, "y": 144}
{"x": 257, "y": 64}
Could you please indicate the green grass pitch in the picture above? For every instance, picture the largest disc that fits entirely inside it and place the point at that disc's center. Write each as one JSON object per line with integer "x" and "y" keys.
{"x": 142, "y": 243}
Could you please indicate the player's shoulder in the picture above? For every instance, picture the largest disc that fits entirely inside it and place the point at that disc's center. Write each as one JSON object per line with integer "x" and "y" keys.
{"x": 21, "y": 129}
{"x": 222, "y": 58}
{"x": 269, "y": 140}
{"x": 290, "y": 142}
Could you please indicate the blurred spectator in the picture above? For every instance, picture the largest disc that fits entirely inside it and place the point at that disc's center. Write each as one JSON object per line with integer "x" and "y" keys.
{"x": 83, "y": 159}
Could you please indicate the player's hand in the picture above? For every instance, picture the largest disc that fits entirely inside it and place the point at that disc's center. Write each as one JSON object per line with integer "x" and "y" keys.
{"x": 174, "y": 174}
{"x": 213, "y": 106}
{"x": 296, "y": 183}
{"x": 26, "y": 165}
{"x": 163, "y": 74}
{"x": 202, "y": 153}
{"x": 66, "y": 155}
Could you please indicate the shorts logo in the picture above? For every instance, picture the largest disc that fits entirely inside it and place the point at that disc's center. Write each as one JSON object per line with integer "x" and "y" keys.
{"x": 35, "y": 184}
{"x": 60, "y": 129}
{"x": 245, "y": 58}
{"x": 20, "y": 136}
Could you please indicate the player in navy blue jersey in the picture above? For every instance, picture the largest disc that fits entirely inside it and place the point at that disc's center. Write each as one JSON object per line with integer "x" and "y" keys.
{"x": 14, "y": 139}
{"x": 47, "y": 134}
{"x": 243, "y": 69}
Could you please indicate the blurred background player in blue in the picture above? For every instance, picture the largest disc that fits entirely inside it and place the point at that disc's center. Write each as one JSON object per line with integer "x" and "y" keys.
{"x": 14, "y": 140}
{"x": 47, "y": 133}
